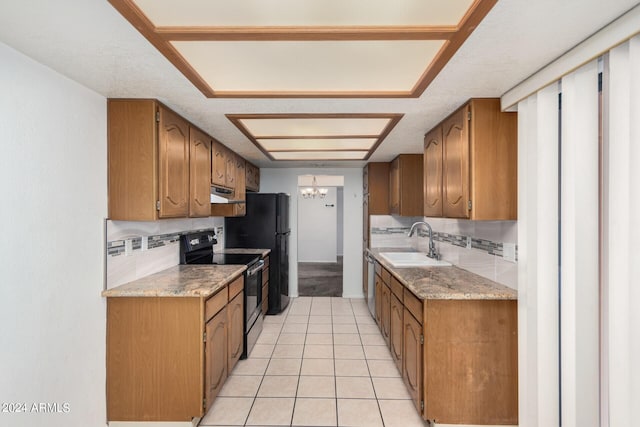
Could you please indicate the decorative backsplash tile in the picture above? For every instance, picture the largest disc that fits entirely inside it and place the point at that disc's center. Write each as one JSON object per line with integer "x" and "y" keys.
{"x": 488, "y": 246}
{"x": 118, "y": 247}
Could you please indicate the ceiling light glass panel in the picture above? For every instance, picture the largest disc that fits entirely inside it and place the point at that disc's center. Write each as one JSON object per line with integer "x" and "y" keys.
{"x": 315, "y": 127}
{"x": 317, "y": 144}
{"x": 304, "y": 12}
{"x": 310, "y": 66}
{"x": 319, "y": 155}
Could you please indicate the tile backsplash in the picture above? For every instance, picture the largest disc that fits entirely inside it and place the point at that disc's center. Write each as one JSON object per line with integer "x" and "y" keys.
{"x": 477, "y": 246}
{"x": 137, "y": 249}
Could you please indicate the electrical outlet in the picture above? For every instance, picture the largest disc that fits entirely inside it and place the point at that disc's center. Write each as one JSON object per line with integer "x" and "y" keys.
{"x": 128, "y": 247}
{"x": 144, "y": 244}
{"x": 468, "y": 242}
{"x": 509, "y": 252}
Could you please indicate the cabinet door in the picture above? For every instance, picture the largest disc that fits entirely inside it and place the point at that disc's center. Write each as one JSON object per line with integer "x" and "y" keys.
{"x": 230, "y": 169}
{"x": 235, "y": 311}
{"x": 395, "y": 331}
{"x": 200, "y": 174}
{"x": 173, "y": 173}
{"x": 412, "y": 358}
{"x": 240, "y": 209}
{"x": 378, "y": 296}
{"x": 433, "y": 173}
{"x": 218, "y": 164}
{"x": 455, "y": 135}
{"x": 385, "y": 307}
{"x": 394, "y": 187}
{"x": 215, "y": 356}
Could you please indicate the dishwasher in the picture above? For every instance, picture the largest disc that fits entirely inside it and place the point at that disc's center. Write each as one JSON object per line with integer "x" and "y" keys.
{"x": 371, "y": 287}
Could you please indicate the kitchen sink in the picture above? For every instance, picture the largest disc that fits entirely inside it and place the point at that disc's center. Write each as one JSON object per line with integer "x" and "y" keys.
{"x": 412, "y": 259}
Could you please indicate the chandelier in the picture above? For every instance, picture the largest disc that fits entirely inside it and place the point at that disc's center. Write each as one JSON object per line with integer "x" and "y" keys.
{"x": 313, "y": 191}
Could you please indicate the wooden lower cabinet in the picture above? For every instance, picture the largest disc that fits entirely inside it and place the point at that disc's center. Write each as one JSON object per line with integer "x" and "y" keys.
{"x": 378, "y": 299}
{"x": 235, "y": 313}
{"x": 215, "y": 367}
{"x": 412, "y": 359}
{"x": 458, "y": 358}
{"x": 385, "y": 316}
{"x": 395, "y": 331}
{"x": 168, "y": 357}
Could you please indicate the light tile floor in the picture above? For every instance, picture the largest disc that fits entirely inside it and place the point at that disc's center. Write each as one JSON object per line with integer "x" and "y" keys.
{"x": 322, "y": 362}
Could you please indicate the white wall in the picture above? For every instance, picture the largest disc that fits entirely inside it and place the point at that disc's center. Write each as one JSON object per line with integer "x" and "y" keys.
{"x": 318, "y": 228}
{"x": 53, "y": 184}
{"x": 124, "y": 268}
{"x": 286, "y": 180}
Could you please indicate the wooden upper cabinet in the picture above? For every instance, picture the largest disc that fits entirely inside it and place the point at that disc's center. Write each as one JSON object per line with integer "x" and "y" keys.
{"x": 455, "y": 152}
{"x": 479, "y": 163}
{"x": 231, "y": 169}
{"x": 376, "y": 185}
{"x": 252, "y": 177}
{"x": 240, "y": 209}
{"x": 200, "y": 178}
{"x": 405, "y": 185}
{"x": 218, "y": 164}
{"x": 173, "y": 172}
{"x": 148, "y": 161}
{"x": 433, "y": 173}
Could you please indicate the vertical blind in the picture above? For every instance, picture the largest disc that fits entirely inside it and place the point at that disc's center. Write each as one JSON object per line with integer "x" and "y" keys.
{"x": 579, "y": 285}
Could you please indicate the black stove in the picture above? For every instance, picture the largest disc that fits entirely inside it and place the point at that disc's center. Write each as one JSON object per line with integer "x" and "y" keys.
{"x": 197, "y": 249}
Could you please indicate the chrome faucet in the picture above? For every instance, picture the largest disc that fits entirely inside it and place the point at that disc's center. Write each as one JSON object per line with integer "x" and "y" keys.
{"x": 432, "y": 247}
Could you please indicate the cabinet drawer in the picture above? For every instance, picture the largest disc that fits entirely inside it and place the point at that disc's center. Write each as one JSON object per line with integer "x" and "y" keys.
{"x": 235, "y": 287}
{"x": 386, "y": 276}
{"x": 216, "y": 303}
{"x": 265, "y": 275}
{"x": 413, "y": 304}
{"x": 397, "y": 288}
{"x": 378, "y": 269}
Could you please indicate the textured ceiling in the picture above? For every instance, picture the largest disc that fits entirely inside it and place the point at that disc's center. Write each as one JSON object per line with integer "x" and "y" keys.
{"x": 91, "y": 43}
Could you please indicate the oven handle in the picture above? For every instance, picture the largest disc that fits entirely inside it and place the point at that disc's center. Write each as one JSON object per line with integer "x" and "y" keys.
{"x": 257, "y": 267}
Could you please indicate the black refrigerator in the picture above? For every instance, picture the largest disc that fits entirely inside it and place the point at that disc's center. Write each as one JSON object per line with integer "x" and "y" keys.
{"x": 266, "y": 226}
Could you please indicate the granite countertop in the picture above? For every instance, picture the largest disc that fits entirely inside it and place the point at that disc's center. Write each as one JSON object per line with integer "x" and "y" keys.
{"x": 180, "y": 281}
{"x": 261, "y": 252}
{"x": 444, "y": 282}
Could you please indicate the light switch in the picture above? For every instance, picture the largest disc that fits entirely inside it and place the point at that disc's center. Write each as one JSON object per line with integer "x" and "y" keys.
{"x": 509, "y": 252}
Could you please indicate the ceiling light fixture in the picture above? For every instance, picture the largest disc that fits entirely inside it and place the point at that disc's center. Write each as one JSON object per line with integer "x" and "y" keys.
{"x": 313, "y": 191}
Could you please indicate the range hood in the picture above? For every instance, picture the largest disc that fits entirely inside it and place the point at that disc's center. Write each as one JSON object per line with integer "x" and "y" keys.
{"x": 223, "y": 195}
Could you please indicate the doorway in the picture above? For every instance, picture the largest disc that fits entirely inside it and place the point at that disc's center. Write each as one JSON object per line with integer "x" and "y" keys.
{"x": 320, "y": 235}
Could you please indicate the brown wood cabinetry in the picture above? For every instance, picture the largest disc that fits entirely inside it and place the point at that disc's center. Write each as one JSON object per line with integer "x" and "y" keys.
{"x": 479, "y": 163}
{"x": 215, "y": 366}
{"x": 395, "y": 330}
{"x": 168, "y": 357}
{"x": 405, "y": 185}
{"x": 238, "y": 208}
{"x": 412, "y": 359}
{"x": 148, "y": 161}
{"x": 235, "y": 311}
{"x": 385, "y": 313}
{"x": 378, "y": 298}
{"x": 458, "y": 358}
{"x": 252, "y": 177}
{"x": 433, "y": 173}
{"x": 200, "y": 173}
{"x": 219, "y": 164}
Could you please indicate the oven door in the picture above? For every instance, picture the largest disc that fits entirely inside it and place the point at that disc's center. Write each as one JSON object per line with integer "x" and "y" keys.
{"x": 253, "y": 293}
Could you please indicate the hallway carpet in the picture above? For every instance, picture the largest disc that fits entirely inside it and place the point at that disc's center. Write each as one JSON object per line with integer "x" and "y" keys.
{"x": 320, "y": 279}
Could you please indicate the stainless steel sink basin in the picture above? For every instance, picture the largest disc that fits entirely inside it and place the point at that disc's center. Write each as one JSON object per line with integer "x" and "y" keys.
{"x": 412, "y": 259}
